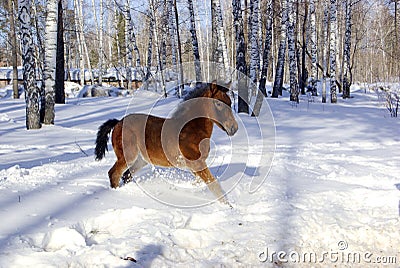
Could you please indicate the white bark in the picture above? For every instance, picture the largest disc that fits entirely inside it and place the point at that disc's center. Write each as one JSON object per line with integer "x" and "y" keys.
{"x": 220, "y": 53}
{"x": 280, "y": 65}
{"x": 325, "y": 43}
{"x": 255, "y": 53}
{"x": 28, "y": 62}
{"x": 195, "y": 44}
{"x": 332, "y": 47}
{"x": 50, "y": 60}
{"x": 294, "y": 88}
{"x": 313, "y": 39}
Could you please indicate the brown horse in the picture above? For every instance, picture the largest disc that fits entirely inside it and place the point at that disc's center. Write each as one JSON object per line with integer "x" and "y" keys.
{"x": 182, "y": 140}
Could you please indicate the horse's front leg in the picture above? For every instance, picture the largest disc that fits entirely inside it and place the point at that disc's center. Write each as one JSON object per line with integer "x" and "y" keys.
{"x": 212, "y": 184}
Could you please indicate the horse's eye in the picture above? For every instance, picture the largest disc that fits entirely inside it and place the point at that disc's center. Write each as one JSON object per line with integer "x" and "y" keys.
{"x": 218, "y": 104}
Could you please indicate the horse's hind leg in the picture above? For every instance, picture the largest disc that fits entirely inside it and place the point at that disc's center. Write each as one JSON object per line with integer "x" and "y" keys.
{"x": 137, "y": 165}
{"x": 212, "y": 184}
{"x": 116, "y": 171}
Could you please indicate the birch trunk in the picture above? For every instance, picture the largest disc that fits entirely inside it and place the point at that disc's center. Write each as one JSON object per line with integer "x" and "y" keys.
{"x": 178, "y": 38}
{"x": 157, "y": 46}
{"x": 294, "y": 88}
{"x": 325, "y": 49}
{"x": 40, "y": 61}
{"x": 128, "y": 45}
{"x": 14, "y": 49}
{"x": 280, "y": 65}
{"x": 254, "y": 52}
{"x": 241, "y": 67}
{"x": 313, "y": 39}
{"x": 332, "y": 48}
{"x": 28, "y": 62}
{"x": 79, "y": 41}
{"x": 195, "y": 44}
{"x": 60, "y": 62}
{"x": 149, "y": 51}
{"x": 172, "y": 32}
{"x": 50, "y": 60}
{"x": 219, "y": 53}
{"x": 346, "y": 52}
{"x": 262, "y": 92}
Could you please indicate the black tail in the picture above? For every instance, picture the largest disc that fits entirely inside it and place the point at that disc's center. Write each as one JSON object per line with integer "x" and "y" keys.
{"x": 102, "y": 138}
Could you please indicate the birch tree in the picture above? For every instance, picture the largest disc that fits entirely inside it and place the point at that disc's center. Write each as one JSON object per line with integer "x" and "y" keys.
{"x": 254, "y": 43}
{"x": 172, "y": 31}
{"x": 280, "y": 65}
{"x": 79, "y": 34}
{"x": 195, "y": 44}
{"x": 332, "y": 48}
{"x": 347, "y": 77}
{"x": 219, "y": 53}
{"x": 157, "y": 47}
{"x": 28, "y": 62}
{"x": 294, "y": 88}
{"x": 14, "y": 48}
{"x": 313, "y": 41}
{"x": 128, "y": 44}
{"x": 60, "y": 60}
{"x": 50, "y": 60}
{"x": 241, "y": 67}
{"x": 325, "y": 27}
{"x": 262, "y": 92}
{"x": 149, "y": 50}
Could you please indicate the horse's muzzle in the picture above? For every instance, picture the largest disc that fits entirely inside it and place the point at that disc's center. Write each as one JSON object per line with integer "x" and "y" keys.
{"x": 232, "y": 130}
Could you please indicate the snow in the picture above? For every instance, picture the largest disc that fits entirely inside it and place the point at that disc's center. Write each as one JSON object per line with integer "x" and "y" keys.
{"x": 333, "y": 186}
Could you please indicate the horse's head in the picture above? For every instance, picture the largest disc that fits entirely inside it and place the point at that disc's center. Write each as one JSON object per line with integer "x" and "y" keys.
{"x": 221, "y": 110}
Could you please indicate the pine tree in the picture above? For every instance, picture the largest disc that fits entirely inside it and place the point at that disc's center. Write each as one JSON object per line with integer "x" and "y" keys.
{"x": 28, "y": 62}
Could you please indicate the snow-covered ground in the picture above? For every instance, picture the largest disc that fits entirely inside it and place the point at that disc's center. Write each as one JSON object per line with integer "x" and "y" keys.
{"x": 331, "y": 197}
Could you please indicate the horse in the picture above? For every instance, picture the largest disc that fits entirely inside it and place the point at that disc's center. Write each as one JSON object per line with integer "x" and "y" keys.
{"x": 181, "y": 140}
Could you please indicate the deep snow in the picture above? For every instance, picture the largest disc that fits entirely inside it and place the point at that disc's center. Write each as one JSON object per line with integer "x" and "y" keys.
{"x": 333, "y": 190}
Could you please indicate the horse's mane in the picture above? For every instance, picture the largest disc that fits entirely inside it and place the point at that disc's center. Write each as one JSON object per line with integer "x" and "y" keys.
{"x": 198, "y": 91}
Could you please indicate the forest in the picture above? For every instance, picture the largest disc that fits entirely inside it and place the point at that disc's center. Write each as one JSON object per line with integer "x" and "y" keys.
{"x": 296, "y": 43}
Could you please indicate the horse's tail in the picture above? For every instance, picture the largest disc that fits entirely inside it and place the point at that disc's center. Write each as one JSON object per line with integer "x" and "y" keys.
{"x": 102, "y": 138}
